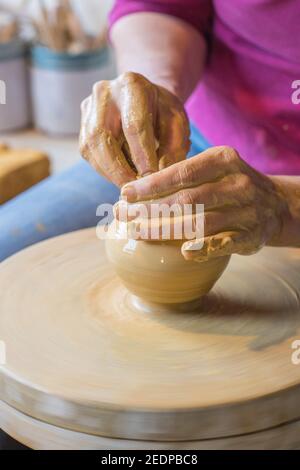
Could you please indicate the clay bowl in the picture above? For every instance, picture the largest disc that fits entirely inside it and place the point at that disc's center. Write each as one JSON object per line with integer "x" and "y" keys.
{"x": 157, "y": 272}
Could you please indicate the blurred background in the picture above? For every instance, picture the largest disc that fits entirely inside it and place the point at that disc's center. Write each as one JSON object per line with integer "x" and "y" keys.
{"x": 51, "y": 53}
{"x": 93, "y": 13}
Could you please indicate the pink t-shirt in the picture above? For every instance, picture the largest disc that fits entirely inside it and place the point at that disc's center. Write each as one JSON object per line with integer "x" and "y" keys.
{"x": 249, "y": 96}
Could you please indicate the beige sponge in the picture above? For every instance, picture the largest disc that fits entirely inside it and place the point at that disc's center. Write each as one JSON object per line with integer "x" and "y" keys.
{"x": 19, "y": 170}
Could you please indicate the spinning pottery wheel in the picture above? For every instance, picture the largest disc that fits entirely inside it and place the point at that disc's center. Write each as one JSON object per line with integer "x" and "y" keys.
{"x": 86, "y": 368}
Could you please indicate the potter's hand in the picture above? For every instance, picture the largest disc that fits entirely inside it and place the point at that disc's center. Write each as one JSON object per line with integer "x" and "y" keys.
{"x": 243, "y": 208}
{"x": 131, "y": 127}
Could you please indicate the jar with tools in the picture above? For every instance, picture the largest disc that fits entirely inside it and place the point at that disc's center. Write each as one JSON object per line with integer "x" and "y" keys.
{"x": 65, "y": 64}
{"x": 14, "y": 83}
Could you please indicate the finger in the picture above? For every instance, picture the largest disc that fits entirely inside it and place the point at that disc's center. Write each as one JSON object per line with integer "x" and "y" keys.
{"x": 86, "y": 106}
{"x": 221, "y": 244}
{"x": 208, "y": 166}
{"x": 86, "y": 103}
{"x": 112, "y": 160}
{"x": 106, "y": 151}
{"x": 137, "y": 107}
{"x": 106, "y": 157}
{"x": 170, "y": 226}
{"x": 173, "y": 130}
{"x": 101, "y": 127}
{"x": 84, "y": 140}
{"x": 227, "y": 193}
{"x": 125, "y": 212}
{"x": 165, "y": 228}
{"x": 104, "y": 113}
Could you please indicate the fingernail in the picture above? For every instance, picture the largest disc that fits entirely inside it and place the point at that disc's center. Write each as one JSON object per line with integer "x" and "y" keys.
{"x": 188, "y": 246}
{"x": 226, "y": 241}
{"x": 194, "y": 246}
{"x": 128, "y": 192}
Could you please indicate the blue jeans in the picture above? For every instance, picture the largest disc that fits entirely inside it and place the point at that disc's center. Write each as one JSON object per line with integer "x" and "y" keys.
{"x": 60, "y": 204}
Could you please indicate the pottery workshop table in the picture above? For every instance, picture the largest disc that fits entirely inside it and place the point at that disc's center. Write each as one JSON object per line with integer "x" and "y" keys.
{"x": 86, "y": 370}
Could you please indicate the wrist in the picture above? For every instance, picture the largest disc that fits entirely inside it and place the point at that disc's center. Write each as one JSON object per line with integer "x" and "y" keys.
{"x": 171, "y": 84}
{"x": 287, "y": 210}
{"x": 166, "y": 50}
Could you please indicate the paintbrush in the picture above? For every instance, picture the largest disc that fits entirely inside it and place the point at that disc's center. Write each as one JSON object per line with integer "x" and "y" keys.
{"x": 60, "y": 29}
{"x": 45, "y": 27}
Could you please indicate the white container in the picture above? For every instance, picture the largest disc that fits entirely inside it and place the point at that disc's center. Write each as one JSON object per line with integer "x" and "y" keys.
{"x": 14, "y": 87}
{"x": 60, "y": 82}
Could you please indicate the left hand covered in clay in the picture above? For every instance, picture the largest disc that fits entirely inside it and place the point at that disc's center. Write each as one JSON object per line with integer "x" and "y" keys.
{"x": 243, "y": 208}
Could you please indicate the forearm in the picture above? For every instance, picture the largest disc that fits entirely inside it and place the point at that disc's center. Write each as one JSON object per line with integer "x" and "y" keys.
{"x": 166, "y": 50}
{"x": 289, "y": 188}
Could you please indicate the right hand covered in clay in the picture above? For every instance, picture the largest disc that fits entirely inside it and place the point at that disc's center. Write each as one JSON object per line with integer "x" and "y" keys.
{"x": 244, "y": 209}
{"x": 132, "y": 127}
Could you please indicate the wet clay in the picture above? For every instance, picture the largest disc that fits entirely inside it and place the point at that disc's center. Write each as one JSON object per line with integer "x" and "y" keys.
{"x": 120, "y": 121}
{"x": 82, "y": 358}
{"x": 157, "y": 271}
